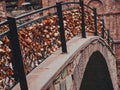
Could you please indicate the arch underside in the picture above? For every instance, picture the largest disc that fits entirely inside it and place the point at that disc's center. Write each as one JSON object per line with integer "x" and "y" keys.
{"x": 96, "y": 76}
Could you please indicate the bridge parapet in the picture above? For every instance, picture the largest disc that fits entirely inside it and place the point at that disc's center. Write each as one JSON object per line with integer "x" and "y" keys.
{"x": 66, "y": 71}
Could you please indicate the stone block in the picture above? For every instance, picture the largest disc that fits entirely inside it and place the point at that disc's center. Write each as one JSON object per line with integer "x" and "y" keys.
{"x": 51, "y": 87}
{"x": 69, "y": 82}
{"x": 70, "y": 68}
{"x": 63, "y": 85}
{"x": 76, "y": 78}
{"x": 58, "y": 79}
{"x": 57, "y": 86}
{"x": 78, "y": 58}
{"x": 64, "y": 73}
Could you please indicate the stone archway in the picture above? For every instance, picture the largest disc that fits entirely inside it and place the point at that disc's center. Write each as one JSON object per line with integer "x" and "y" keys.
{"x": 96, "y": 76}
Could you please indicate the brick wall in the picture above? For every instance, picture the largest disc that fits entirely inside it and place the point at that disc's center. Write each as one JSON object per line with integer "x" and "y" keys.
{"x": 53, "y": 2}
{"x": 46, "y": 3}
{"x": 111, "y": 14}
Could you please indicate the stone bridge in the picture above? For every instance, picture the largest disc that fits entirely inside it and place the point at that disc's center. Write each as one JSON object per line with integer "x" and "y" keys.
{"x": 89, "y": 64}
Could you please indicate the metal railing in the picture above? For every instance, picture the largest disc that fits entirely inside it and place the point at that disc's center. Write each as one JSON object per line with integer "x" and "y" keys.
{"x": 17, "y": 59}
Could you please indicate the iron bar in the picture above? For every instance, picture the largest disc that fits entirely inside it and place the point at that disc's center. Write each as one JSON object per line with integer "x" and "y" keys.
{"x": 61, "y": 30}
{"x": 33, "y": 12}
{"x": 95, "y": 21}
{"x": 83, "y": 23}
{"x": 108, "y": 36}
{"x": 3, "y": 22}
{"x": 103, "y": 29}
{"x": 17, "y": 61}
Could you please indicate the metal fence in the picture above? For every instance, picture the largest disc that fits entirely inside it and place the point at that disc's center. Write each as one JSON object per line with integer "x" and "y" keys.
{"x": 15, "y": 57}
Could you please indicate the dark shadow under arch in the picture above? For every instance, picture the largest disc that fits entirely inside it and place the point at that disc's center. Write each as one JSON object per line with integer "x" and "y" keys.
{"x": 96, "y": 76}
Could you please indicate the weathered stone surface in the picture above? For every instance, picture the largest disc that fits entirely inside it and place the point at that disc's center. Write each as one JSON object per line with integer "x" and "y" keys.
{"x": 57, "y": 87}
{"x": 69, "y": 82}
{"x": 76, "y": 78}
{"x": 64, "y": 73}
{"x": 63, "y": 85}
{"x": 52, "y": 87}
{"x": 70, "y": 68}
{"x": 57, "y": 80}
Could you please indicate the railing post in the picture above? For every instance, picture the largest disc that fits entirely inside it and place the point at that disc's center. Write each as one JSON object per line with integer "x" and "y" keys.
{"x": 108, "y": 37}
{"x": 95, "y": 21}
{"x": 112, "y": 44}
{"x": 103, "y": 29}
{"x": 17, "y": 61}
{"x": 62, "y": 32}
{"x": 83, "y": 23}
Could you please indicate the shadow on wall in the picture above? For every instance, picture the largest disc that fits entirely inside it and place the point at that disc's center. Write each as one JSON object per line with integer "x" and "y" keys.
{"x": 96, "y": 76}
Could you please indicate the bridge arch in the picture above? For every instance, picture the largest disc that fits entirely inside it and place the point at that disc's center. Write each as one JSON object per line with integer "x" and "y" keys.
{"x": 96, "y": 76}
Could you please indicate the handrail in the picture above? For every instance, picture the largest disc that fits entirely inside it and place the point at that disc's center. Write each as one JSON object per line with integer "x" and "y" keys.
{"x": 35, "y": 20}
{"x": 3, "y": 22}
{"x": 89, "y": 7}
{"x": 4, "y": 33}
{"x": 33, "y": 12}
